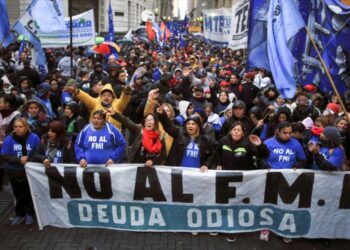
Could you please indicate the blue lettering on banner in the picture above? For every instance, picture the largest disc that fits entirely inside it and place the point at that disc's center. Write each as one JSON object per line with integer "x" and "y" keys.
{"x": 164, "y": 217}
{"x": 217, "y": 24}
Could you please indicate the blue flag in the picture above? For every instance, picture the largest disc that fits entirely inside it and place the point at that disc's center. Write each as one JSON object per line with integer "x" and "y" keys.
{"x": 283, "y": 23}
{"x": 110, "y": 35}
{"x": 23, "y": 27}
{"x": 328, "y": 22}
{"x": 5, "y": 34}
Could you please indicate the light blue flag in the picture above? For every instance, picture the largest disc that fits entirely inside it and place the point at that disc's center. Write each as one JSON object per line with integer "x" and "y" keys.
{"x": 110, "y": 35}
{"x": 5, "y": 33}
{"x": 48, "y": 14}
{"x": 24, "y": 27}
{"x": 283, "y": 23}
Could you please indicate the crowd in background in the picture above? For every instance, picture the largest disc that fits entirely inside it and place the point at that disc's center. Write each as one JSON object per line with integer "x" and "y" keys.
{"x": 168, "y": 106}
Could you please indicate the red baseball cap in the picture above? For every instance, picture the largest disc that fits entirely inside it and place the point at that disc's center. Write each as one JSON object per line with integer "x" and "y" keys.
{"x": 224, "y": 84}
{"x": 334, "y": 107}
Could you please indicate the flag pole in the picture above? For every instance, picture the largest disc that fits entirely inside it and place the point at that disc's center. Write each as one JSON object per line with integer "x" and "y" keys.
{"x": 71, "y": 37}
{"x": 328, "y": 74}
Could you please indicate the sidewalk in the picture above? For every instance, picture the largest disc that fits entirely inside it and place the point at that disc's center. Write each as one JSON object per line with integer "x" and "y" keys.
{"x": 30, "y": 237}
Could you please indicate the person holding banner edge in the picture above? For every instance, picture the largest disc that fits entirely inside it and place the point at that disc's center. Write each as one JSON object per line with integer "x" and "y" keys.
{"x": 286, "y": 152}
{"x": 17, "y": 150}
{"x": 235, "y": 151}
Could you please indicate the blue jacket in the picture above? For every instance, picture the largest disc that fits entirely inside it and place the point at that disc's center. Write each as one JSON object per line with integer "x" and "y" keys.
{"x": 11, "y": 151}
{"x": 156, "y": 75}
{"x": 97, "y": 146}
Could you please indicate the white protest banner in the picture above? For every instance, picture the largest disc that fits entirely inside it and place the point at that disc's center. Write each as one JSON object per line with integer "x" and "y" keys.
{"x": 301, "y": 203}
{"x": 217, "y": 25}
{"x": 239, "y": 25}
{"x": 83, "y": 32}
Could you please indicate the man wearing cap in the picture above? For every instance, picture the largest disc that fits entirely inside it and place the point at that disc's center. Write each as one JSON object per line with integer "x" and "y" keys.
{"x": 329, "y": 156}
{"x": 238, "y": 114}
{"x": 105, "y": 101}
{"x": 198, "y": 99}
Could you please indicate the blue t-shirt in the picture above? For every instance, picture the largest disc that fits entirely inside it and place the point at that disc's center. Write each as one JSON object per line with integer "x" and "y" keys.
{"x": 284, "y": 155}
{"x": 97, "y": 146}
{"x": 336, "y": 158}
{"x": 191, "y": 157}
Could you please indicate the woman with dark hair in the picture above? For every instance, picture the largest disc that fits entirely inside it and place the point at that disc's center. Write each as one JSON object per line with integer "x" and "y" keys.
{"x": 24, "y": 86}
{"x": 148, "y": 147}
{"x": 286, "y": 152}
{"x": 72, "y": 119}
{"x": 55, "y": 96}
{"x": 235, "y": 151}
{"x": 99, "y": 142}
{"x": 18, "y": 149}
{"x": 55, "y": 146}
{"x": 191, "y": 147}
{"x": 282, "y": 114}
{"x": 36, "y": 116}
{"x": 221, "y": 102}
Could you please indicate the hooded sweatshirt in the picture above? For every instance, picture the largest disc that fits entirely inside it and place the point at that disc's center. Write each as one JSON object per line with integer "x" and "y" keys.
{"x": 93, "y": 104}
{"x": 183, "y": 106}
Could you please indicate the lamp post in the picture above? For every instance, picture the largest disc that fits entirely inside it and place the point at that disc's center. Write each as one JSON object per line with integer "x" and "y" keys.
{"x": 156, "y": 11}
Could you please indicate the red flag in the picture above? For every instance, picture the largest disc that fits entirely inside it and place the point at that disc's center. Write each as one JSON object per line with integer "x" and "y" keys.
{"x": 150, "y": 31}
{"x": 165, "y": 31}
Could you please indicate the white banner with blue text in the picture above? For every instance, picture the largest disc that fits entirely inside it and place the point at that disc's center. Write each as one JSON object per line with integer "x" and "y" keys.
{"x": 83, "y": 32}
{"x": 217, "y": 25}
{"x": 291, "y": 203}
{"x": 239, "y": 25}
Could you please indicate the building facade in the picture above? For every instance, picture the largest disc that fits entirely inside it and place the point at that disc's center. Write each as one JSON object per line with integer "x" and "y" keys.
{"x": 195, "y": 7}
{"x": 126, "y": 13}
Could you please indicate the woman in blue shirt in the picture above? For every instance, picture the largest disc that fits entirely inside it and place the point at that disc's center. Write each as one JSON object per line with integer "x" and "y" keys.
{"x": 286, "y": 152}
{"x": 100, "y": 142}
{"x": 17, "y": 150}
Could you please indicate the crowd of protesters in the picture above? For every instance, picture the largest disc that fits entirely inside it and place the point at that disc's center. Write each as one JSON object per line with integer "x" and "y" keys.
{"x": 168, "y": 106}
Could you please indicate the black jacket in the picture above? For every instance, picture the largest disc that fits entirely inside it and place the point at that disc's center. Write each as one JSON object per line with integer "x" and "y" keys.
{"x": 233, "y": 155}
{"x": 182, "y": 139}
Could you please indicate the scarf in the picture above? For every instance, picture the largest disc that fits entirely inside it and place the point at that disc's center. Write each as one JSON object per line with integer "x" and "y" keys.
{"x": 22, "y": 140}
{"x": 151, "y": 141}
{"x": 51, "y": 149}
{"x": 316, "y": 130}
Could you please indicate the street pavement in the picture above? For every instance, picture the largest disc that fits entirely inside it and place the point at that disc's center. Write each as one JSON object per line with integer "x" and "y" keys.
{"x": 30, "y": 237}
